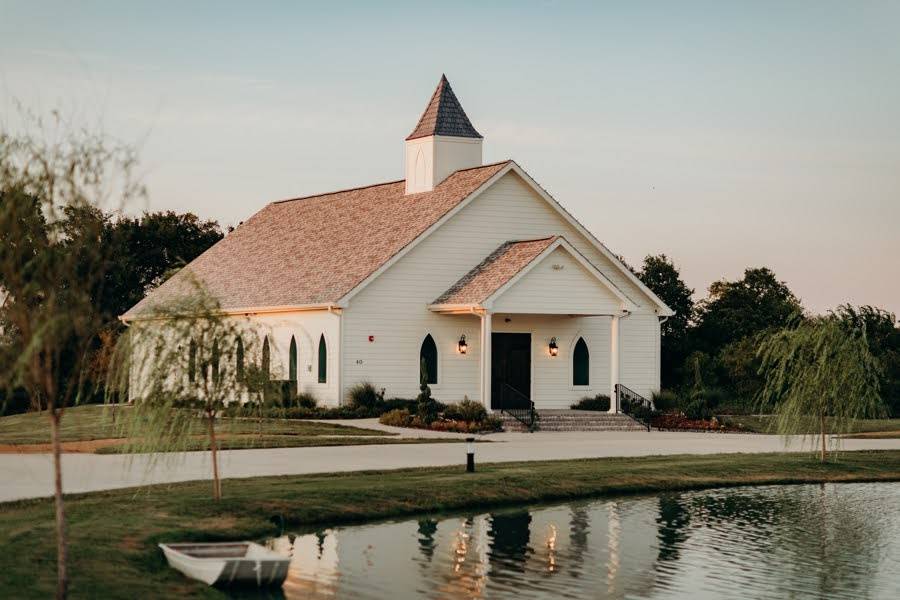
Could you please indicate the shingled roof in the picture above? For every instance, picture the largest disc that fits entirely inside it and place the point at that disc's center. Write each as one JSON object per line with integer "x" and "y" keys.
{"x": 310, "y": 251}
{"x": 444, "y": 115}
{"x": 495, "y": 271}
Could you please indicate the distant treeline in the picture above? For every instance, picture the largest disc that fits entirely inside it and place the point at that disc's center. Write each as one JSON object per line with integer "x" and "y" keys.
{"x": 141, "y": 253}
{"x": 713, "y": 343}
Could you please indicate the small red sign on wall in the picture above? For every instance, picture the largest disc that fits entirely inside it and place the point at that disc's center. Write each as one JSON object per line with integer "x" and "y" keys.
{"x": 371, "y": 338}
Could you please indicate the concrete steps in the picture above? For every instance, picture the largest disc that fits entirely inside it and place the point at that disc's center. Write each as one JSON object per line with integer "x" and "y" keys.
{"x": 576, "y": 420}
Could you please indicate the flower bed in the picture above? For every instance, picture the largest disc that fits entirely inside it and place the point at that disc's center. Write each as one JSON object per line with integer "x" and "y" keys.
{"x": 679, "y": 422}
{"x": 403, "y": 418}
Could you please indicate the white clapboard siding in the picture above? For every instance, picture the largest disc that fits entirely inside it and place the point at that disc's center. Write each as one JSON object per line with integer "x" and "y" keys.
{"x": 306, "y": 327}
{"x": 639, "y": 358}
{"x": 558, "y": 284}
{"x": 392, "y": 308}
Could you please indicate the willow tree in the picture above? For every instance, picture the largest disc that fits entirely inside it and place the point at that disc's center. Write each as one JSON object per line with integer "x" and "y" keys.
{"x": 180, "y": 364}
{"x": 54, "y": 185}
{"x": 820, "y": 377}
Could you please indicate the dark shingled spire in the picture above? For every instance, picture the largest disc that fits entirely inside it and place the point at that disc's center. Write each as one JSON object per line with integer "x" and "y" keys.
{"x": 444, "y": 116}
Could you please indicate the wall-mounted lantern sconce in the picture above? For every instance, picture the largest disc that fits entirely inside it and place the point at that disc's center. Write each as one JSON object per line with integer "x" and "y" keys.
{"x": 554, "y": 349}
{"x": 462, "y": 346}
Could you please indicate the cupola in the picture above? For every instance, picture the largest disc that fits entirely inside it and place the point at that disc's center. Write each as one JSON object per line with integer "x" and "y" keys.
{"x": 444, "y": 141}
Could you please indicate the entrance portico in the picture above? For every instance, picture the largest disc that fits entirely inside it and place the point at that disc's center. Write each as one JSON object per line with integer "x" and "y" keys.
{"x": 544, "y": 296}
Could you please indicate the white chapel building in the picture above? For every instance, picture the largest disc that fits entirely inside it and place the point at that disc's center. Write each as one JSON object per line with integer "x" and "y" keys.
{"x": 473, "y": 269}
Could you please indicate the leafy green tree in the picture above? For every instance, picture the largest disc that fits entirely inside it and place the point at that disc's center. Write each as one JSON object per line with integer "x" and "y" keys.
{"x": 820, "y": 372}
{"x": 883, "y": 335}
{"x": 737, "y": 309}
{"x": 661, "y": 275}
{"x": 53, "y": 183}
{"x": 145, "y": 250}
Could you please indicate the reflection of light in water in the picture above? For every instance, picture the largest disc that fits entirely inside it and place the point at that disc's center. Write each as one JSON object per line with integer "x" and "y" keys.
{"x": 468, "y": 557}
{"x": 615, "y": 531}
{"x": 460, "y": 549}
{"x": 313, "y": 572}
{"x": 551, "y": 548}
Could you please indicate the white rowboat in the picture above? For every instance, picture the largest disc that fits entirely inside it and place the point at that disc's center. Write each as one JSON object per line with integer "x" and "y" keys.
{"x": 224, "y": 563}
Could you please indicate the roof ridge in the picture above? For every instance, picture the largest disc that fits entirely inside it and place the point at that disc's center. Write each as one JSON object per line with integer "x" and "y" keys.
{"x": 353, "y": 189}
{"x": 540, "y": 239}
{"x": 371, "y": 185}
{"x": 493, "y": 164}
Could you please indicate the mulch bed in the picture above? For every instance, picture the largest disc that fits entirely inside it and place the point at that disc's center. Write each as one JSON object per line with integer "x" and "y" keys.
{"x": 678, "y": 422}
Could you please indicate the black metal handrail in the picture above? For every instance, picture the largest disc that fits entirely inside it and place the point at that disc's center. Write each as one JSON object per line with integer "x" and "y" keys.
{"x": 634, "y": 405}
{"x": 527, "y": 416}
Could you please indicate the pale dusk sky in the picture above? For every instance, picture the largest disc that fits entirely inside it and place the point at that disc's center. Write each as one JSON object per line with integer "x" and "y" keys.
{"x": 723, "y": 134}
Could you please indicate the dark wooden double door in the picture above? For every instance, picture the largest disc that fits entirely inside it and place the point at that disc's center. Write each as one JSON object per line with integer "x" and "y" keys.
{"x": 510, "y": 370}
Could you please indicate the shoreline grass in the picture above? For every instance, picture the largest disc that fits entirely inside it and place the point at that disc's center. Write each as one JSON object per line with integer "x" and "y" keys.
{"x": 114, "y": 534}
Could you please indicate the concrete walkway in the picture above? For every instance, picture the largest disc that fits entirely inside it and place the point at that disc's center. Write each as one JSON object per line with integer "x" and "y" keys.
{"x": 29, "y": 475}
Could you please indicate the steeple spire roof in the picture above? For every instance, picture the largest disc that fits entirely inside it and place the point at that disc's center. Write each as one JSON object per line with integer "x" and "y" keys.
{"x": 444, "y": 115}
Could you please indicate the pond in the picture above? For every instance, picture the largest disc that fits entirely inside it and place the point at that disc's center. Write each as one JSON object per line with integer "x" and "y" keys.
{"x": 824, "y": 541}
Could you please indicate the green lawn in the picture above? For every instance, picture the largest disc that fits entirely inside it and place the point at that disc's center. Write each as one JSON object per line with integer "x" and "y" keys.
{"x": 92, "y": 422}
{"x": 114, "y": 534}
{"x": 763, "y": 424}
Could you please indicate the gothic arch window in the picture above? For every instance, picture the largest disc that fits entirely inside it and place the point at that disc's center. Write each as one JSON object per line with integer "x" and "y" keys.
{"x": 192, "y": 361}
{"x": 420, "y": 169}
{"x": 292, "y": 357}
{"x": 266, "y": 358}
{"x": 581, "y": 363}
{"x": 239, "y": 360}
{"x": 428, "y": 360}
{"x": 323, "y": 360}
{"x": 214, "y": 363}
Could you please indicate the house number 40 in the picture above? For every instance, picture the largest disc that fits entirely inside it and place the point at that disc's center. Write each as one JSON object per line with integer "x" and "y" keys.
{"x": 359, "y": 361}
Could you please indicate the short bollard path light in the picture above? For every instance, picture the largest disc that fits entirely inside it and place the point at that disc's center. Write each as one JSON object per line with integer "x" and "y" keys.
{"x": 470, "y": 455}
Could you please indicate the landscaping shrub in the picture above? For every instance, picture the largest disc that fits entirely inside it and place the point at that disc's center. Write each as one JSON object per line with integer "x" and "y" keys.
{"x": 599, "y": 402}
{"x": 703, "y": 404}
{"x": 428, "y": 410}
{"x": 679, "y": 422}
{"x": 666, "y": 401}
{"x": 364, "y": 395}
{"x": 305, "y": 400}
{"x": 467, "y": 410}
{"x": 14, "y": 403}
{"x": 399, "y": 417}
{"x": 487, "y": 424}
{"x": 395, "y": 403}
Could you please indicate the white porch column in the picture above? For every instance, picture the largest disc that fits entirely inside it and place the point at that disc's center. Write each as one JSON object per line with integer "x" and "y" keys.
{"x": 613, "y": 361}
{"x": 486, "y": 359}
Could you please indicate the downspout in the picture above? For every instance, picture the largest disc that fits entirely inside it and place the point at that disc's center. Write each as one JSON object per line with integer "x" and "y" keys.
{"x": 659, "y": 351}
{"x": 336, "y": 310}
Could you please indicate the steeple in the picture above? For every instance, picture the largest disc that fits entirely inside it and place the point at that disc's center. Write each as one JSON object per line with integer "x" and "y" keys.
{"x": 444, "y": 141}
{"x": 444, "y": 115}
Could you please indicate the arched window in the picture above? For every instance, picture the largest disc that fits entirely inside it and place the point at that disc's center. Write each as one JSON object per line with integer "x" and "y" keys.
{"x": 192, "y": 361}
{"x": 428, "y": 360}
{"x": 266, "y": 359}
{"x": 239, "y": 360}
{"x": 323, "y": 360}
{"x": 214, "y": 363}
{"x": 581, "y": 364}
{"x": 292, "y": 356}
